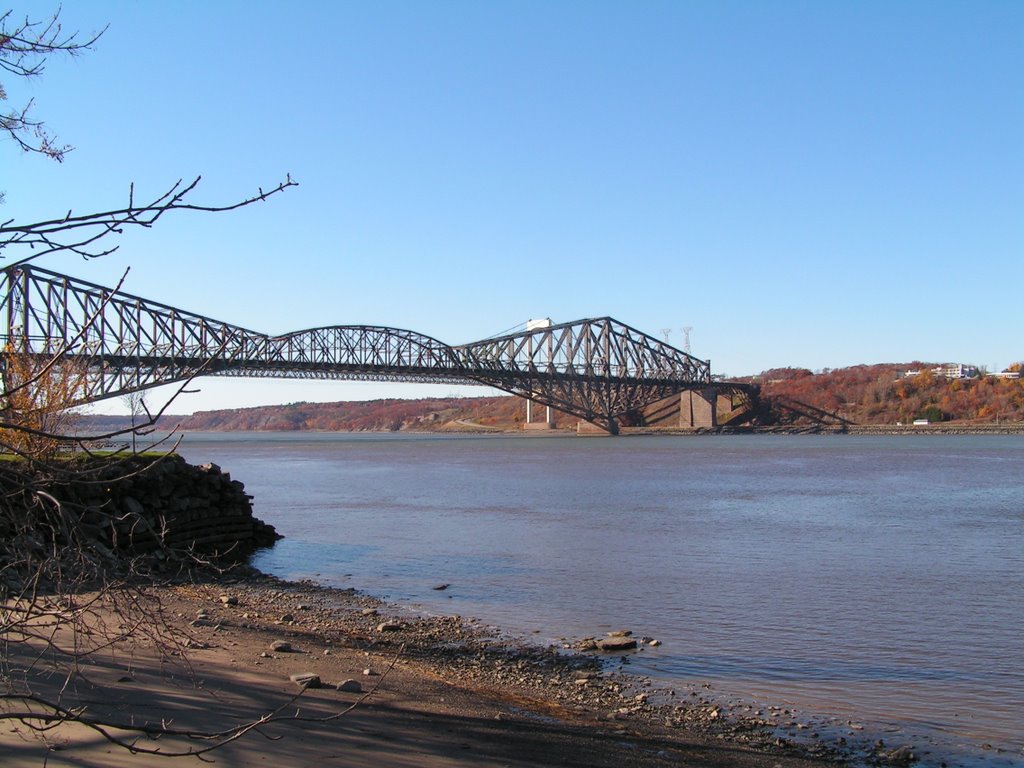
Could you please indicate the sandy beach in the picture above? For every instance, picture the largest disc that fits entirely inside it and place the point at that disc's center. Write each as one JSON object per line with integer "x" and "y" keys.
{"x": 396, "y": 690}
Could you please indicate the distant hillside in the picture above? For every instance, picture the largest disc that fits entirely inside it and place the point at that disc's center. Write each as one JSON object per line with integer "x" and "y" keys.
{"x": 862, "y": 394}
{"x": 391, "y": 415}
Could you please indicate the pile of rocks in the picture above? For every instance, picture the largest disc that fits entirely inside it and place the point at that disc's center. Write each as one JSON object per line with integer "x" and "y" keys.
{"x": 162, "y": 507}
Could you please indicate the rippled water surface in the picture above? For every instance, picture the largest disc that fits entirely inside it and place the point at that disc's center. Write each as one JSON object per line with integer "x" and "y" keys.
{"x": 878, "y": 580}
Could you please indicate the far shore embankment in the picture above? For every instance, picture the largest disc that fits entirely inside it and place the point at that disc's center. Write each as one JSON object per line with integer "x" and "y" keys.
{"x": 896, "y": 430}
{"x": 181, "y": 424}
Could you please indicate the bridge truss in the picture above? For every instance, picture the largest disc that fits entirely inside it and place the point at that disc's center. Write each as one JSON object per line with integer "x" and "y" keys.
{"x": 598, "y": 369}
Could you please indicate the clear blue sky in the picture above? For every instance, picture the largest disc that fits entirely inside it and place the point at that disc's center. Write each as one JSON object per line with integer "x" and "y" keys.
{"x": 815, "y": 184}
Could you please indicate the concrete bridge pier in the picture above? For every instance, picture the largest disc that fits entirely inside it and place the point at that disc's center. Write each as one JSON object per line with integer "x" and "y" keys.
{"x": 698, "y": 408}
{"x": 548, "y": 423}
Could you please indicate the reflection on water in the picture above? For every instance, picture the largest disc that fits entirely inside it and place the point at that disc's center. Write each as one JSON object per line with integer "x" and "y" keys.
{"x": 878, "y": 579}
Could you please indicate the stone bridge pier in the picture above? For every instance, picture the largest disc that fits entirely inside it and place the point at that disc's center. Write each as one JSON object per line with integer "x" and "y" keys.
{"x": 698, "y": 408}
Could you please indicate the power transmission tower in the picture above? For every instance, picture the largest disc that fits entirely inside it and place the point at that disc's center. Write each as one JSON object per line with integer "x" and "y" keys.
{"x": 665, "y": 332}
{"x": 686, "y": 338}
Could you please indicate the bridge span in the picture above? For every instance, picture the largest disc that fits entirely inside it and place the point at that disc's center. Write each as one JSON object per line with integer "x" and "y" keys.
{"x": 598, "y": 369}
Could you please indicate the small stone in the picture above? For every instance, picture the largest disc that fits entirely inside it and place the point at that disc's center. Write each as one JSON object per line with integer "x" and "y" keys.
{"x": 306, "y": 679}
{"x": 287, "y": 617}
{"x": 281, "y": 646}
{"x": 654, "y": 643}
{"x": 369, "y": 611}
{"x": 621, "y": 633}
{"x": 901, "y": 756}
{"x": 390, "y": 626}
{"x": 229, "y": 599}
{"x": 370, "y": 672}
{"x": 327, "y": 651}
{"x": 264, "y": 655}
{"x": 350, "y": 686}
{"x": 441, "y": 587}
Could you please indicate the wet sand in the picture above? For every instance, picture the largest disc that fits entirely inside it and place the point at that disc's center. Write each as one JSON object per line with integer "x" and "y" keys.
{"x": 440, "y": 691}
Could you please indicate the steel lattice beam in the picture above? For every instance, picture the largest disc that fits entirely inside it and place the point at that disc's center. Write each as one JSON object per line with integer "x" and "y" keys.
{"x": 597, "y": 369}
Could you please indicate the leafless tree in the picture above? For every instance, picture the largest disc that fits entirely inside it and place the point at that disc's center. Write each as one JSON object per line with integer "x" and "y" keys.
{"x": 64, "y": 595}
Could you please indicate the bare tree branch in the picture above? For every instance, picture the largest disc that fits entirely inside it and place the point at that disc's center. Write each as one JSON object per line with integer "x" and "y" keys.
{"x": 80, "y": 234}
{"x": 25, "y": 46}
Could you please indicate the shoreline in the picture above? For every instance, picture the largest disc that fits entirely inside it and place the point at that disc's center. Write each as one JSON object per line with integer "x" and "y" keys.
{"x": 479, "y": 695}
{"x": 576, "y": 684}
{"x": 468, "y": 428}
{"x": 542, "y": 680}
{"x": 881, "y": 430}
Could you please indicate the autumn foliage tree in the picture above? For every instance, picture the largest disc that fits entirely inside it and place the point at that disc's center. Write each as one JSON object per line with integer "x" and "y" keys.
{"x": 886, "y": 394}
{"x": 34, "y": 413}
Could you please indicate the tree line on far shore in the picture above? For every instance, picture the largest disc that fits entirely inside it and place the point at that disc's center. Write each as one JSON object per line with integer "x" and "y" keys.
{"x": 862, "y": 394}
{"x": 886, "y": 394}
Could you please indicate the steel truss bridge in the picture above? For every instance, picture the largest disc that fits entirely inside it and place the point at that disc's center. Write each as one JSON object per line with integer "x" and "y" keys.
{"x": 597, "y": 369}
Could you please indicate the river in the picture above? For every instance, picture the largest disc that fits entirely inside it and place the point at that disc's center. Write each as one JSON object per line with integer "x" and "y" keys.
{"x": 874, "y": 585}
